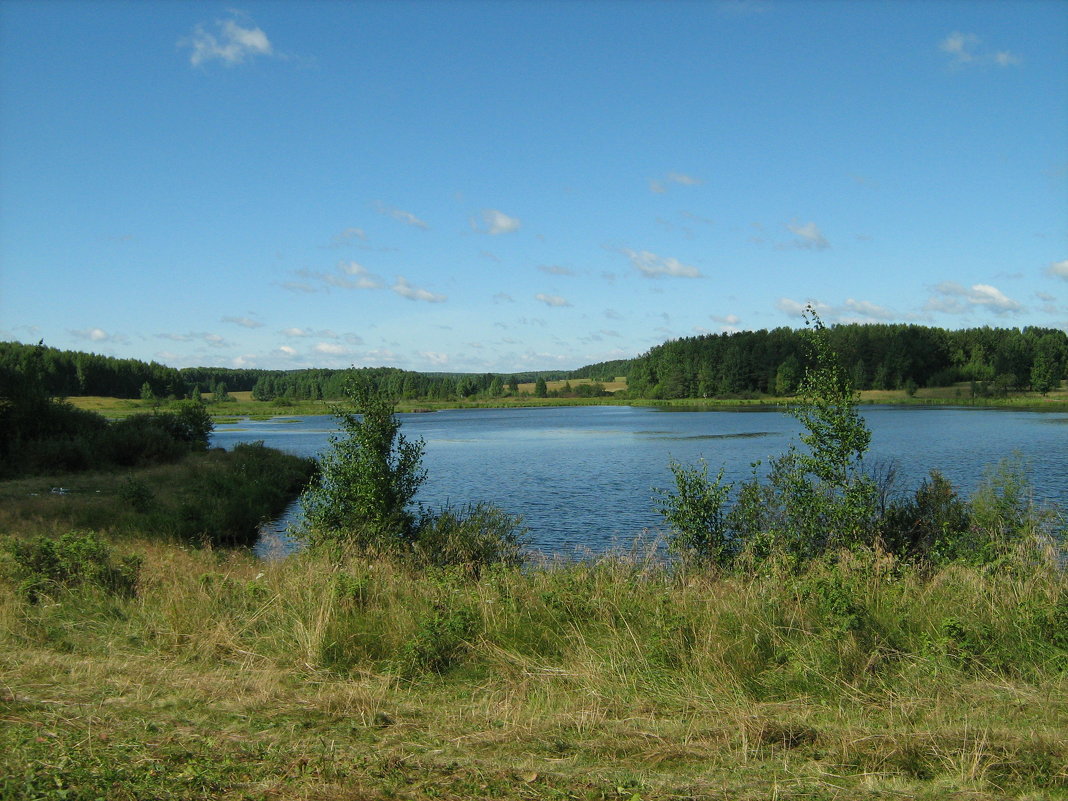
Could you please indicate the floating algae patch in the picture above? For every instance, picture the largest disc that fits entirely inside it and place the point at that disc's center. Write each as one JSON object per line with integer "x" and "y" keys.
{"x": 673, "y": 435}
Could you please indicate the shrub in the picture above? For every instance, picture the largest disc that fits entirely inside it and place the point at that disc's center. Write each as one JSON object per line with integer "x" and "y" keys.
{"x": 472, "y": 537}
{"x": 369, "y": 478}
{"x": 41, "y": 566}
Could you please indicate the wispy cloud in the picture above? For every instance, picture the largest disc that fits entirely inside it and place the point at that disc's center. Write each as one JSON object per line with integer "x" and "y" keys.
{"x": 244, "y": 322}
{"x": 400, "y": 215}
{"x": 1059, "y": 269}
{"x": 851, "y": 311}
{"x": 654, "y": 266}
{"x": 406, "y": 290}
{"x": 555, "y": 269}
{"x": 496, "y": 222}
{"x": 329, "y": 349}
{"x": 967, "y": 50}
{"x": 206, "y": 337}
{"x": 325, "y": 333}
{"x": 660, "y": 185}
{"x": 552, "y": 300}
{"x": 231, "y": 42}
{"x": 348, "y": 235}
{"x": 952, "y": 298}
{"x": 809, "y": 236}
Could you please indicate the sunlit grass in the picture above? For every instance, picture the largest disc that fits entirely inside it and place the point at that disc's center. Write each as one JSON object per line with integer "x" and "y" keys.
{"x": 230, "y": 677}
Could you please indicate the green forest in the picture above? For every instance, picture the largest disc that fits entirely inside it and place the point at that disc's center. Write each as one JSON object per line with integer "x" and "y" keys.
{"x": 995, "y": 361}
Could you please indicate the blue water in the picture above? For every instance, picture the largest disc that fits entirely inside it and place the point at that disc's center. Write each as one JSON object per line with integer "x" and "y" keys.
{"x": 584, "y": 478}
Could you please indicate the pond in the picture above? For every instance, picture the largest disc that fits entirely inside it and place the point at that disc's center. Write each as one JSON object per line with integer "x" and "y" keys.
{"x": 584, "y": 478}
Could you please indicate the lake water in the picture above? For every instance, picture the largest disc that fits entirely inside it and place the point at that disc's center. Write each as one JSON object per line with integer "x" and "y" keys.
{"x": 583, "y": 477}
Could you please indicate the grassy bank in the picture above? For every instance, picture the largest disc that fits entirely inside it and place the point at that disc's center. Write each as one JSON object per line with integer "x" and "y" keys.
{"x": 227, "y": 677}
{"x": 218, "y": 497}
{"x": 242, "y": 404}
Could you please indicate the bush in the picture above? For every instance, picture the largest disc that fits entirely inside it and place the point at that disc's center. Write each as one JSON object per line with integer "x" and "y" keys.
{"x": 41, "y": 566}
{"x": 368, "y": 480}
{"x": 472, "y": 538}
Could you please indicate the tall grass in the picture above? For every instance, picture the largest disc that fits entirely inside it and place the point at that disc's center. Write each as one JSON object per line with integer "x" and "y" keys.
{"x": 857, "y": 671}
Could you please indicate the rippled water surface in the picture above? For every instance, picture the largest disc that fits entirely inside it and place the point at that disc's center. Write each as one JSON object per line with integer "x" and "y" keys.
{"x": 584, "y": 477}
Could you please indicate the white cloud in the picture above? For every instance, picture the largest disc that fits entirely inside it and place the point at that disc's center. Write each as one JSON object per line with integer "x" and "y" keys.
{"x": 685, "y": 180}
{"x": 95, "y": 335}
{"x": 231, "y": 43}
{"x": 329, "y": 348}
{"x": 404, "y": 289}
{"x": 437, "y": 359}
{"x": 1059, "y": 269}
{"x": 952, "y": 298}
{"x": 208, "y": 338}
{"x": 960, "y": 45}
{"x": 287, "y": 350}
{"x": 793, "y": 308}
{"x": 867, "y": 311}
{"x": 551, "y": 300}
{"x": 400, "y": 215}
{"x": 660, "y": 185}
{"x": 729, "y": 319}
{"x": 653, "y": 266}
{"x": 498, "y": 222}
{"x": 364, "y": 279}
{"x": 244, "y": 322}
{"x": 966, "y": 49}
{"x": 808, "y": 236}
{"x": 555, "y": 269}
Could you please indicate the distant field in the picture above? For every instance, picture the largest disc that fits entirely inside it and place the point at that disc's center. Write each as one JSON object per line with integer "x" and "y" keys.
{"x": 611, "y": 386}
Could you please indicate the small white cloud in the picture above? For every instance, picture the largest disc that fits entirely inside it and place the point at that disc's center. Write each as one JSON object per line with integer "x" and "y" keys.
{"x": 960, "y": 46}
{"x": 295, "y": 332}
{"x": 808, "y": 236}
{"x": 966, "y": 50}
{"x": 406, "y": 290}
{"x": 660, "y": 185}
{"x": 498, "y": 222}
{"x": 952, "y": 298}
{"x": 1059, "y": 269}
{"x": 329, "y": 348}
{"x": 551, "y": 300}
{"x": 363, "y": 278}
{"x": 728, "y": 319}
{"x": 231, "y": 43}
{"x": 400, "y": 215}
{"x": 95, "y": 335}
{"x": 288, "y": 351}
{"x": 653, "y": 266}
{"x": 244, "y": 322}
{"x": 867, "y": 311}
{"x": 685, "y": 180}
{"x": 435, "y": 358}
{"x": 794, "y": 309}
{"x": 555, "y": 269}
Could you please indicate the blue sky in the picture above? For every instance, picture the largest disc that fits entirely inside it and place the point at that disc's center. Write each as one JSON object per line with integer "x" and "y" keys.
{"x": 506, "y": 186}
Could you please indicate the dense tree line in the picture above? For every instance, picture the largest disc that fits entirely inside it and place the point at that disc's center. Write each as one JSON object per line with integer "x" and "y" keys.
{"x": 888, "y": 356}
{"x": 891, "y": 356}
